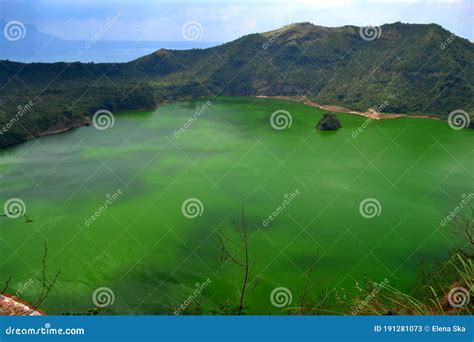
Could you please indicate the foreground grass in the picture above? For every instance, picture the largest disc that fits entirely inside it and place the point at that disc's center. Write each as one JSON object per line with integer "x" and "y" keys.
{"x": 448, "y": 292}
{"x": 443, "y": 288}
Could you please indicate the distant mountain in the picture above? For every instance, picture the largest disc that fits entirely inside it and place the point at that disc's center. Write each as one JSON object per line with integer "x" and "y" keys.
{"x": 410, "y": 68}
{"x": 23, "y": 40}
{"x": 36, "y": 46}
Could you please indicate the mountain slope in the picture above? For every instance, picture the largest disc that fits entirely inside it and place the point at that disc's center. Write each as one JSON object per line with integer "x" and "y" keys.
{"x": 406, "y": 67}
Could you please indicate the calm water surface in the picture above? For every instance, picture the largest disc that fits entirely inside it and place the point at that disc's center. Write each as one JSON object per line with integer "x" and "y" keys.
{"x": 151, "y": 256}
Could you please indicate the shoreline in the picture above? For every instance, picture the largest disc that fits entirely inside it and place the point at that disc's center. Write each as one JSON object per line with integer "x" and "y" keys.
{"x": 50, "y": 131}
{"x": 370, "y": 113}
{"x": 58, "y": 130}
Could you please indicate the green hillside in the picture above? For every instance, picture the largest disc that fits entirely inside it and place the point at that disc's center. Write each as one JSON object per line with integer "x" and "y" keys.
{"x": 406, "y": 67}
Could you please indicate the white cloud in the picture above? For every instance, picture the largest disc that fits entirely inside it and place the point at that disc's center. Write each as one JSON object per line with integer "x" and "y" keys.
{"x": 226, "y": 20}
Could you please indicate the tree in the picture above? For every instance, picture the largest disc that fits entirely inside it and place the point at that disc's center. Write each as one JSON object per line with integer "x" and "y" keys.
{"x": 17, "y": 307}
{"x": 462, "y": 225}
{"x": 45, "y": 287}
{"x": 328, "y": 122}
{"x": 237, "y": 252}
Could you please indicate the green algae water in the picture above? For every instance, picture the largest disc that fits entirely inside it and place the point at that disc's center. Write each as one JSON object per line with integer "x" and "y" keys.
{"x": 136, "y": 208}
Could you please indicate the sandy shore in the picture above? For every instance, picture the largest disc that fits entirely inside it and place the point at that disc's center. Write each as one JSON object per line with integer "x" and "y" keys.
{"x": 370, "y": 113}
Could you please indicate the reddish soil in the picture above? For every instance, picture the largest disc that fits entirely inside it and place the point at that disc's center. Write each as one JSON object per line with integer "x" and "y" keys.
{"x": 12, "y": 306}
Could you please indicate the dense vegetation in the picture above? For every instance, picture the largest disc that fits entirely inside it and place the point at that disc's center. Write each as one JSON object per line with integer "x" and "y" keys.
{"x": 328, "y": 122}
{"x": 407, "y": 67}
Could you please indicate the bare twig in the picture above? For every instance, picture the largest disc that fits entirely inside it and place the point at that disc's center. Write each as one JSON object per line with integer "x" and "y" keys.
{"x": 246, "y": 267}
{"x": 45, "y": 287}
{"x": 462, "y": 225}
{"x": 6, "y": 285}
{"x": 197, "y": 308}
{"x": 243, "y": 262}
{"x": 308, "y": 288}
{"x": 27, "y": 219}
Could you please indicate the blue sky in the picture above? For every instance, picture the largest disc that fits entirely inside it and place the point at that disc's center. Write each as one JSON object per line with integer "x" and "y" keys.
{"x": 225, "y": 20}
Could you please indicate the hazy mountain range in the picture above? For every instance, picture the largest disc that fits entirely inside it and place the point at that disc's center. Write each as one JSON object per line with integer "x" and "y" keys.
{"x": 414, "y": 68}
{"x": 37, "y": 46}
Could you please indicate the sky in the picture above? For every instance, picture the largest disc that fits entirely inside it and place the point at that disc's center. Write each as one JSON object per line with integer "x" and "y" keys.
{"x": 220, "y": 20}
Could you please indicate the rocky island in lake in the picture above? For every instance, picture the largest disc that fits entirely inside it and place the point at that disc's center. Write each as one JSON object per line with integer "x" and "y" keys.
{"x": 328, "y": 122}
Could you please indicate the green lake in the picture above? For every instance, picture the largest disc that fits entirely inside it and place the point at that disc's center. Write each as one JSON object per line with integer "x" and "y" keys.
{"x": 151, "y": 256}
